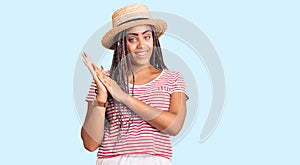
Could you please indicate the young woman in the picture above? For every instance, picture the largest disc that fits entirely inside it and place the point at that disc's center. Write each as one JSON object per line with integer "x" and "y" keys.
{"x": 136, "y": 106}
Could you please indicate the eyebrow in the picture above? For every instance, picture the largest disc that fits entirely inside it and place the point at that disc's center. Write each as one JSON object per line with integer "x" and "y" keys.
{"x": 137, "y": 34}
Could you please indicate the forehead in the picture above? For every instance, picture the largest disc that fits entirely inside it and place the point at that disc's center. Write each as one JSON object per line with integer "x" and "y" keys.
{"x": 139, "y": 29}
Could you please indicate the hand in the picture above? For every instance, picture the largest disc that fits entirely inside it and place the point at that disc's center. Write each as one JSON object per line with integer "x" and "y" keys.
{"x": 95, "y": 72}
{"x": 112, "y": 87}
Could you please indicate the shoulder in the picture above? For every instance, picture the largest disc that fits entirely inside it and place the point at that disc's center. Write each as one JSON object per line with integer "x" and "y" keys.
{"x": 172, "y": 73}
{"x": 174, "y": 82}
{"x": 171, "y": 77}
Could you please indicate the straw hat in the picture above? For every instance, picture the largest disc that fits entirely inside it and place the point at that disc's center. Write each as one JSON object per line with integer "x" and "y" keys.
{"x": 130, "y": 16}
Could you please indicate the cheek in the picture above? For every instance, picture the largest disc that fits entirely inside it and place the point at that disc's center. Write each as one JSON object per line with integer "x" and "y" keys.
{"x": 150, "y": 44}
{"x": 130, "y": 47}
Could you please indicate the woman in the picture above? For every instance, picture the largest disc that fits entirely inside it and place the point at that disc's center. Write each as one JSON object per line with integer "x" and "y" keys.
{"x": 136, "y": 106}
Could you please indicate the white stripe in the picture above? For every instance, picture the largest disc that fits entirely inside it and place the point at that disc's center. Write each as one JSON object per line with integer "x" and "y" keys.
{"x": 141, "y": 136}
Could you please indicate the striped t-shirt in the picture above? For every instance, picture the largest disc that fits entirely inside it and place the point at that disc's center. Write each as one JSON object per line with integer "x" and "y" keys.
{"x": 126, "y": 133}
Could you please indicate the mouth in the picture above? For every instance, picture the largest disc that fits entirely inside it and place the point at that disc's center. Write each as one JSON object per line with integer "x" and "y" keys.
{"x": 141, "y": 53}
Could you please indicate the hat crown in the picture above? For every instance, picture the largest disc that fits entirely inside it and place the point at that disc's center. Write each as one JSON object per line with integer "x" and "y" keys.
{"x": 130, "y": 13}
{"x": 128, "y": 17}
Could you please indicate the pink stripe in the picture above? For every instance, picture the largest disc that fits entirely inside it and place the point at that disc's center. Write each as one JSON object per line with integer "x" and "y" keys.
{"x": 142, "y": 138}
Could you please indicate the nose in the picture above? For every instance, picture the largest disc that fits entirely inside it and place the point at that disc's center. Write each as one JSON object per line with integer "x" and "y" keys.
{"x": 141, "y": 44}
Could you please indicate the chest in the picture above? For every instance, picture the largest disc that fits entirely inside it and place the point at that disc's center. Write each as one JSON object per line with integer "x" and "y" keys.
{"x": 157, "y": 96}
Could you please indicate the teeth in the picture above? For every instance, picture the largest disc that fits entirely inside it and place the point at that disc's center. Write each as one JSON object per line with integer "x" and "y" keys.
{"x": 141, "y": 53}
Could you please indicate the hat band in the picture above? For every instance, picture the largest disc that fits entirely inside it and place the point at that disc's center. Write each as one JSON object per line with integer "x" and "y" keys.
{"x": 131, "y": 20}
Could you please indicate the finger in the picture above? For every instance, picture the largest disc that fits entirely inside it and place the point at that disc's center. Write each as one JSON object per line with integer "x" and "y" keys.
{"x": 85, "y": 56}
{"x": 100, "y": 77}
{"x": 107, "y": 80}
{"x": 97, "y": 81}
{"x": 84, "y": 62}
{"x": 107, "y": 85}
{"x": 94, "y": 67}
{"x": 85, "y": 59}
{"x": 98, "y": 71}
{"x": 103, "y": 80}
{"x": 102, "y": 70}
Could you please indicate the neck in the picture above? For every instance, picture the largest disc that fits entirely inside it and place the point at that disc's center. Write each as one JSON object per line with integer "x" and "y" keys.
{"x": 137, "y": 69}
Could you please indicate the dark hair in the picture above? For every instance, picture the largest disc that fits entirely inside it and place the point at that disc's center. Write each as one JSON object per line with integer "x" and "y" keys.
{"x": 121, "y": 65}
{"x": 121, "y": 69}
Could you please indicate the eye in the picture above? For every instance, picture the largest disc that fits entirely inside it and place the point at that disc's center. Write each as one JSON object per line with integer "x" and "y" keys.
{"x": 147, "y": 37}
{"x": 131, "y": 39}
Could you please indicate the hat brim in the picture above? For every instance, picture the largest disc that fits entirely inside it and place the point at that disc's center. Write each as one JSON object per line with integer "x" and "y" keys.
{"x": 108, "y": 39}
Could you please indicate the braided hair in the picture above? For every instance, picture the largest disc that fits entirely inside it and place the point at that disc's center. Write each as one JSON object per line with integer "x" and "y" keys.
{"x": 121, "y": 70}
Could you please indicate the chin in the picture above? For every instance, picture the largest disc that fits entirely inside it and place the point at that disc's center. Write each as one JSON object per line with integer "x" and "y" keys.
{"x": 142, "y": 63}
{"x": 137, "y": 60}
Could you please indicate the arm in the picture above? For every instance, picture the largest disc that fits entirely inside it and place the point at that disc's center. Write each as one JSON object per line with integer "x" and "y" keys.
{"x": 92, "y": 130}
{"x": 170, "y": 121}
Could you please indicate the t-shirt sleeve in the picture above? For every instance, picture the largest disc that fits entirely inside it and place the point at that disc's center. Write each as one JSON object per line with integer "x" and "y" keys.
{"x": 178, "y": 84}
{"x": 91, "y": 93}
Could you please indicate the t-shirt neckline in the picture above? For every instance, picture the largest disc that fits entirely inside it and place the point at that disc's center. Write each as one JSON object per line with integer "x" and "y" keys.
{"x": 156, "y": 78}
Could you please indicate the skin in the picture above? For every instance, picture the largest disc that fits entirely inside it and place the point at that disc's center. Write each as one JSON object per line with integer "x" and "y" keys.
{"x": 140, "y": 46}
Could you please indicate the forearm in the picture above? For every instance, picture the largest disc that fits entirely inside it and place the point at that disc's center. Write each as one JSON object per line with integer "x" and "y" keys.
{"x": 166, "y": 121}
{"x": 93, "y": 128}
{"x": 170, "y": 121}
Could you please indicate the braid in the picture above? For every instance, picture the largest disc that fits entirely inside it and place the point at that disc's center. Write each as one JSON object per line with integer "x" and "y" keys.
{"x": 119, "y": 71}
{"x": 156, "y": 59}
{"x": 121, "y": 68}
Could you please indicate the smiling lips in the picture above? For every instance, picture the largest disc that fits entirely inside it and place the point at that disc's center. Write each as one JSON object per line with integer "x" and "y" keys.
{"x": 141, "y": 53}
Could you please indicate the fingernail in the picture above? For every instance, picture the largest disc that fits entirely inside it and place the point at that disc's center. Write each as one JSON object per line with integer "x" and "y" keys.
{"x": 102, "y": 67}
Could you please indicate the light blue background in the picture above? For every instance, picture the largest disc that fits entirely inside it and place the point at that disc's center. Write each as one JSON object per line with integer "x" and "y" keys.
{"x": 257, "y": 43}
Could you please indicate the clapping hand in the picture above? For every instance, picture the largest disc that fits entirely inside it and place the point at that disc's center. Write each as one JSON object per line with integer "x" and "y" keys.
{"x": 96, "y": 72}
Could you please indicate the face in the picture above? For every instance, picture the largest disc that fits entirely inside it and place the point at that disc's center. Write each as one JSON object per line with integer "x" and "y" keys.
{"x": 140, "y": 45}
